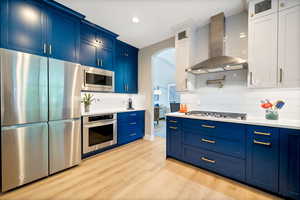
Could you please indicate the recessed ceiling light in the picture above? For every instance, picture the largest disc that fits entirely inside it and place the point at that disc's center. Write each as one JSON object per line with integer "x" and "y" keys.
{"x": 135, "y": 20}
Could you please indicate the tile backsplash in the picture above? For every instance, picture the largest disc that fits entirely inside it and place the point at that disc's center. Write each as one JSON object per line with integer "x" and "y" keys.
{"x": 236, "y": 97}
{"x": 106, "y": 101}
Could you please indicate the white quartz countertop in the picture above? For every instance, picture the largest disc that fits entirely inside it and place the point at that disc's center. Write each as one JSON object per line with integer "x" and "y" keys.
{"x": 106, "y": 111}
{"x": 281, "y": 123}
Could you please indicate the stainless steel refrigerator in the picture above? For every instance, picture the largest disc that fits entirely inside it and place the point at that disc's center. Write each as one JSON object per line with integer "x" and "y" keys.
{"x": 40, "y": 117}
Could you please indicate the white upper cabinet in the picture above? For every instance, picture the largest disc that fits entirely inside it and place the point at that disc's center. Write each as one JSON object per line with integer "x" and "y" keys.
{"x": 259, "y": 8}
{"x": 289, "y": 47}
{"x": 284, "y": 4}
{"x": 262, "y": 55}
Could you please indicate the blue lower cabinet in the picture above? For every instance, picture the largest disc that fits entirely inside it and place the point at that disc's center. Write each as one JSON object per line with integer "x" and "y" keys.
{"x": 131, "y": 126}
{"x": 290, "y": 163}
{"x": 174, "y": 138}
{"x": 263, "y": 157}
{"x": 225, "y": 165}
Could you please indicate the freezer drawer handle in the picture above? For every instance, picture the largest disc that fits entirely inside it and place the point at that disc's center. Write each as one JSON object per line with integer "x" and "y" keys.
{"x": 208, "y": 141}
{"x": 261, "y": 133}
{"x": 262, "y": 143}
{"x": 208, "y": 160}
{"x": 207, "y": 126}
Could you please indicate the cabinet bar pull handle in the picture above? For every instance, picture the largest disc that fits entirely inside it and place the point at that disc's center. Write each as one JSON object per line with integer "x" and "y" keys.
{"x": 207, "y": 126}
{"x": 208, "y": 141}
{"x": 98, "y": 63}
{"x": 101, "y": 62}
{"x": 50, "y": 49}
{"x": 172, "y": 127}
{"x": 251, "y": 78}
{"x": 133, "y": 134}
{"x": 133, "y": 123}
{"x": 208, "y": 160}
{"x": 132, "y": 114}
{"x": 173, "y": 121}
{"x": 280, "y": 75}
{"x": 45, "y": 48}
{"x": 261, "y": 133}
{"x": 262, "y": 143}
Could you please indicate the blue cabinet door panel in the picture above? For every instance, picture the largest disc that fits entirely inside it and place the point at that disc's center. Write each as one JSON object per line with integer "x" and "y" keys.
{"x": 263, "y": 157}
{"x": 225, "y": 165}
{"x": 107, "y": 58}
{"x": 290, "y": 163}
{"x": 88, "y": 54}
{"x": 23, "y": 26}
{"x": 227, "y": 147}
{"x": 87, "y": 33}
{"x": 174, "y": 138}
{"x": 107, "y": 41}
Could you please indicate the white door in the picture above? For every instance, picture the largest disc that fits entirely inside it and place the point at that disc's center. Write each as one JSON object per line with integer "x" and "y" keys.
{"x": 289, "y": 47}
{"x": 284, "y": 4}
{"x": 260, "y": 8}
{"x": 263, "y": 52}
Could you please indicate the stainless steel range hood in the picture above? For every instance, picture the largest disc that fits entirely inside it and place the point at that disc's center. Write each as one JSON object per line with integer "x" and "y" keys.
{"x": 218, "y": 62}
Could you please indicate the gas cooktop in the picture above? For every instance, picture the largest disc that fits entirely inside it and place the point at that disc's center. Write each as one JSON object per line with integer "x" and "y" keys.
{"x": 227, "y": 115}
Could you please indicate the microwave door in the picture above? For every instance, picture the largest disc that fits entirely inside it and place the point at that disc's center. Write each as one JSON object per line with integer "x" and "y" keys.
{"x": 97, "y": 80}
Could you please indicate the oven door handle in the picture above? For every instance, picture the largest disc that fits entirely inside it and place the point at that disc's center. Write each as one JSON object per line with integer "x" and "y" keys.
{"x": 99, "y": 124}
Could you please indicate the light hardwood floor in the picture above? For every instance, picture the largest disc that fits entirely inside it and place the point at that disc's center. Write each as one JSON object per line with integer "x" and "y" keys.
{"x": 137, "y": 171}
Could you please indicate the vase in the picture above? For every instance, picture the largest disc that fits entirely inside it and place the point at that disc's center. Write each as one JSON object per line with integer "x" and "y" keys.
{"x": 272, "y": 114}
{"x": 87, "y": 108}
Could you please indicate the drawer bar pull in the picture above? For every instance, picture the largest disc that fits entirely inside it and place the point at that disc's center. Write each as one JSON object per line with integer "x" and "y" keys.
{"x": 261, "y": 133}
{"x": 133, "y": 123}
{"x": 207, "y": 126}
{"x": 172, "y": 127}
{"x": 132, "y": 114}
{"x": 173, "y": 121}
{"x": 262, "y": 143}
{"x": 208, "y": 160}
{"x": 208, "y": 141}
{"x": 133, "y": 134}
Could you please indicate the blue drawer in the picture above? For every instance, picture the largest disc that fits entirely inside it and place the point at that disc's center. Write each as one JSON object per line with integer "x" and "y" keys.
{"x": 225, "y": 165}
{"x": 228, "y": 147}
{"x": 131, "y": 116}
{"x": 227, "y": 131}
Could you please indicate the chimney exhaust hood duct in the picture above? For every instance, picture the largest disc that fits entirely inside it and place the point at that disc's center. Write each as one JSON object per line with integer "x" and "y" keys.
{"x": 218, "y": 62}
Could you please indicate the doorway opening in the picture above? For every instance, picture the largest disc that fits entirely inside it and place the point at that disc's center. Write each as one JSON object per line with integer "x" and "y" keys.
{"x": 164, "y": 92}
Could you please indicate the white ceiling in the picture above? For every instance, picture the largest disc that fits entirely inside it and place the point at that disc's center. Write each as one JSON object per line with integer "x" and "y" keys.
{"x": 157, "y": 17}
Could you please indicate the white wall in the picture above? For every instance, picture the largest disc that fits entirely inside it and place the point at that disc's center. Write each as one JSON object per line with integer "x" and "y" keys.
{"x": 112, "y": 101}
{"x": 235, "y": 96}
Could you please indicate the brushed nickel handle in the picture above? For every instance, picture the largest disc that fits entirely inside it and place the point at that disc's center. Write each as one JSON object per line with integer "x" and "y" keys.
{"x": 45, "y": 48}
{"x": 132, "y": 114}
{"x": 208, "y": 160}
{"x": 251, "y": 78}
{"x": 172, "y": 127}
{"x": 173, "y": 121}
{"x": 101, "y": 62}
{"x": 133, "y": 134}
{"x": 261, "y": 133}
{"x": 207, "y": 126}
{"x": 133, "y": 123}
{"x": 98, "y": 62}
{"x": 208, "y": 141}
{"x": 50, "y": 49}
{"x": 280, "y": 75}
{"x": 262, "y": 143}
{"x": 186, "y": 84}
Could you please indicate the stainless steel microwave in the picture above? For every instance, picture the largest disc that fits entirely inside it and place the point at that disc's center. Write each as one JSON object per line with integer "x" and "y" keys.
{"x": 98, "y": 80}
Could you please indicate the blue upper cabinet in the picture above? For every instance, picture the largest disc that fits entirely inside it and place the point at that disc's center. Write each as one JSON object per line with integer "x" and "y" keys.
{"x": 23, "y": 25}
{"x": 40, "y": 27}
{"x": 63, "y": 35}
{"x": 126, "y": 71}
{"x": 101, "y": 45}
{"x": 263, "y": 157}
{"x": 290, "y": 163}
